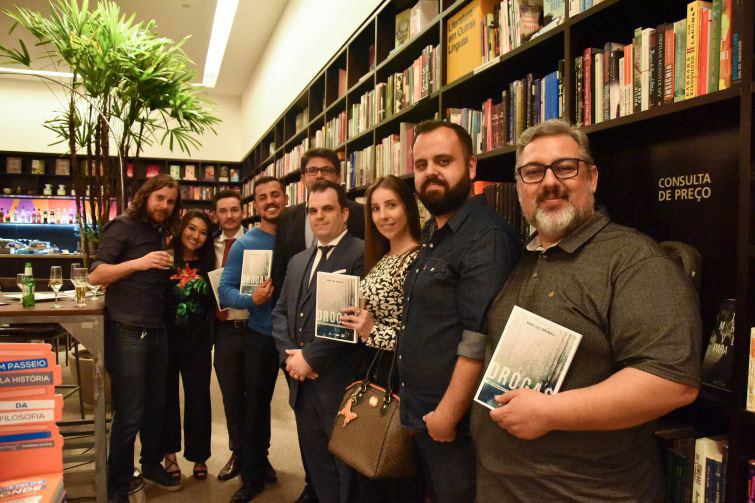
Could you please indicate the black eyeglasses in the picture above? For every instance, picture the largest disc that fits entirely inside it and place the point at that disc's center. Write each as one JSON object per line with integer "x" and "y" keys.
{"x": 325, "y": 170}
{"x": 563, "y": 169}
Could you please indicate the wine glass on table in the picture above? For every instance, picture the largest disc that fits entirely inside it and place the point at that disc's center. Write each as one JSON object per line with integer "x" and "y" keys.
{"x": 56, "y": 282}
{"x": 21, "y": 281}
{"x": 79, "y": 278}
{"x": 73, "y": 267}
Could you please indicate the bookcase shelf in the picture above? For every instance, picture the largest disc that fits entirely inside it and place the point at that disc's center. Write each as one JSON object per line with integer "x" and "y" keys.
{"x": 711, "y": 133}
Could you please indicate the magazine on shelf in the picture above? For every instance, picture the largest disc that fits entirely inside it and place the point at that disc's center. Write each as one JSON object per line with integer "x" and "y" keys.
{"x": 533, "y": 352}
{"x": 255, "y": 269}
{"x": 335, "y": 292}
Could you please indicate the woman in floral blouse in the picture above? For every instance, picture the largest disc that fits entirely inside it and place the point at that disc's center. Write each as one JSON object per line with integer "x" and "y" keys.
{"x": 391, "y": 240}
{"x": 189, "y": 312}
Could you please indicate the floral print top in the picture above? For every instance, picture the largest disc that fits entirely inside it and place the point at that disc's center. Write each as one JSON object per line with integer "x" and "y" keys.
{"x": 383, "y": 291}
{"x": 190, "y": 292}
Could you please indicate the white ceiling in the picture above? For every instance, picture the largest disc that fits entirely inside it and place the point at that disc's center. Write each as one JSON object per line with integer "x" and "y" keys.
{"x": 254, "y": 24}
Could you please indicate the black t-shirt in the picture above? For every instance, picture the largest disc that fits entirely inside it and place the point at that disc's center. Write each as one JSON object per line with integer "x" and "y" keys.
{"x": 137, "y": 299}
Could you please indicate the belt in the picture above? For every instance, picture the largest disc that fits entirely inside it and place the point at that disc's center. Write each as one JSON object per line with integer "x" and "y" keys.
{"x": 235, "y": 323}
{"x": 134, "y": 327}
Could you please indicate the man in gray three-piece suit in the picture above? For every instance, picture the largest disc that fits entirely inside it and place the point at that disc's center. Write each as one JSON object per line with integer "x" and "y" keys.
{"x": 319, "y": 369}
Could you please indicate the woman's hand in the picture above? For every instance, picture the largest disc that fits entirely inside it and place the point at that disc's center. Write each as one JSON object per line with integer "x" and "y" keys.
{"x": 358, "y": 319}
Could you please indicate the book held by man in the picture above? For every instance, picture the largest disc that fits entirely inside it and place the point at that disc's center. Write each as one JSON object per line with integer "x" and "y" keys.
{"x": 255, "y": 269}
{"x": 334, "y": 293}
{"x": 533, "y": 352}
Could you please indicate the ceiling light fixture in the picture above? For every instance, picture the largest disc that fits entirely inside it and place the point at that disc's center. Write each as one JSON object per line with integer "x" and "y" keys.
{"x": 225, "y": 11}
{"x": 43, "y": 73}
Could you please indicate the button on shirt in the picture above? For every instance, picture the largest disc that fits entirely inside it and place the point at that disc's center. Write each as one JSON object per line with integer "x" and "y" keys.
{"x": 219, "y": 242}
{"x": 459, "y": 269}
{"x": 138, "y": 298}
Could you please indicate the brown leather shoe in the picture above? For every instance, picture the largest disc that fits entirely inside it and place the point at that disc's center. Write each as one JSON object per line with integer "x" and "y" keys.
{"x": 231, "y": 468}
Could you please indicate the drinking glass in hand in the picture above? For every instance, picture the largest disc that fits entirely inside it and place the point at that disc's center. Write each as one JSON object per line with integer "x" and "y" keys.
{"x": 79, "y": 279}
{"x": 21, "y": 282}
{"x": 56, "y": 282}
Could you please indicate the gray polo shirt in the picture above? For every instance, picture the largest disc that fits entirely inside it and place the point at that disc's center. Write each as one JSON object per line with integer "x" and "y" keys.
{"x": 634, "y": 308}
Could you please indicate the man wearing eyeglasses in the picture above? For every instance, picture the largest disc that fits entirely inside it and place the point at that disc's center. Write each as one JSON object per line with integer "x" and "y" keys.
{"x": 295, "y": 234}
{"x": 639, "y": 354}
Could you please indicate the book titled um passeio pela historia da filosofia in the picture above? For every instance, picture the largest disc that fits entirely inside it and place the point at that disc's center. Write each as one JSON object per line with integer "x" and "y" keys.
{"x": 533, "y": 352}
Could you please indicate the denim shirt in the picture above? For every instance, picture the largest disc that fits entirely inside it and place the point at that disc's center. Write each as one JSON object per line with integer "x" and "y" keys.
{"x": 459, "y": 270}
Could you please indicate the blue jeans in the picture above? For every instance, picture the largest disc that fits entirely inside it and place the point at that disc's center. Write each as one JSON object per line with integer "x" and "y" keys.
{"x": 136, "y": 359}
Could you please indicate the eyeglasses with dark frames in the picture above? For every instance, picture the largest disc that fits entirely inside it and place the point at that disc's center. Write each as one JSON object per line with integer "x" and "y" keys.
{"x": 325, "y": 170}
{"x": 563, "y": 169}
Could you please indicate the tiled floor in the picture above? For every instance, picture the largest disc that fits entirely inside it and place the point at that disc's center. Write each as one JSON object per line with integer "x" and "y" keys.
{"x": 284, "y": 456}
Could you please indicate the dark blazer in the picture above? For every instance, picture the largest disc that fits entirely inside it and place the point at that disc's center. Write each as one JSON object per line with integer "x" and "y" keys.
{"x": 335, "y": 362}
{"x": 289, "y": 238}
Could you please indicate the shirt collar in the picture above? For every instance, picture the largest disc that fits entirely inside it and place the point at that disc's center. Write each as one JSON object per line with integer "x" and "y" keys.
{"x": 578, "y": 236}
{"x": 335, "y": 241}
{"x": 462, "y": 213}
{"x": 221, "y": 238}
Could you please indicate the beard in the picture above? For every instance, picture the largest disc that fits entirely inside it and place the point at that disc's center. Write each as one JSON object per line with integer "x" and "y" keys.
{"x": 273, "y": 220}
{"x": 158, "y": 216}
{"x": 559, "y": 223}
{"x": 450, "y": 199}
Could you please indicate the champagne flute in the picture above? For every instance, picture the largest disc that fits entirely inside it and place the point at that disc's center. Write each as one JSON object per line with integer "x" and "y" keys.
{"x": 56, "y": 281}
{"x": 21, "y": 280}
{"x": 79, "y": 278}
{"x": 74, "y": 267}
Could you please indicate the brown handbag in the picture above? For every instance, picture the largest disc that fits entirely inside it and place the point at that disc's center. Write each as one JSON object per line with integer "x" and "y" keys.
{"x": 367, "y": 433}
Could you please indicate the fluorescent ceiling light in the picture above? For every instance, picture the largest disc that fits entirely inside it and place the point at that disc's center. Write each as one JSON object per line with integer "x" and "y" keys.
{"x": 225, "y": 11}
{"x": 43, "y": 73}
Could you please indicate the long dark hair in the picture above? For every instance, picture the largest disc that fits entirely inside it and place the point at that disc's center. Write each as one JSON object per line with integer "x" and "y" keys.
{"x": 375, "y": 244}
{"x": 206, "y": 253}
{"x": 138, "y": 208}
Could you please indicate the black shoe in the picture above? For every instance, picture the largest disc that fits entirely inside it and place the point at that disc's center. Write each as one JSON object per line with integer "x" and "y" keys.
{"x": 307, "y": 495}
{"x": 231, "y": 468}
{"x": 117, "y": 496}
{"x": 247, "y": 491}
{"x": 270, "y": 474}
{"x": 156, "y": 474}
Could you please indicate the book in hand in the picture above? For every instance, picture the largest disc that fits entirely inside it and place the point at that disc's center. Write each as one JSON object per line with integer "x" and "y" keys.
{"x": 214, "y": 277}
{"x": 255, "y": 269}
{"x": 717, "y": 363}
{"x": 334, "y": 293}
{"x": 533, "y": 352}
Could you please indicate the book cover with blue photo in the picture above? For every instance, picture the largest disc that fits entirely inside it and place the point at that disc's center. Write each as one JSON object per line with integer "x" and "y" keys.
{"x": 335, "y": 292}
{"x": 533, "y": 352}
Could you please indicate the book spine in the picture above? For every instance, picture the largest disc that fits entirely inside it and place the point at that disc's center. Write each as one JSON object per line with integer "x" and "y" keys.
{"x": 637, "y": 71}
{"x": 690, "y": 74}
{"x": 702, "y": 53}
{"x": 724, "y": 68}
{"x": 654, "y": 43}
{"x": 714, "y": 48}
{"x": 736, "y": 41}
{"x": 578, "y": 94}
{"x": 680, "y": 58}
{"x": 645, "y": 67}
{"x": 668, "y": 64}
{"x": 587, "y": 86}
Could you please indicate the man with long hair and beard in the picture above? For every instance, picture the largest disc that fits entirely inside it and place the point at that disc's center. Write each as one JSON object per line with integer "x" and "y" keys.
{"x": 131, "y": 260}
{"x": 467, "y": 252}
{"x": 260, "y": 357}
{"x": 638, "y": 359}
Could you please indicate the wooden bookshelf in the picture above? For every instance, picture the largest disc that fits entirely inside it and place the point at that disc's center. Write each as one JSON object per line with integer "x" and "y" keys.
{"x": 711, "y": 133}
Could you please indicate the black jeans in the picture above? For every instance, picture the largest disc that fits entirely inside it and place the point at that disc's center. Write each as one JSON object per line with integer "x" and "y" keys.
{"x": 189, "y": 349}
{"x": 449, "y": 467}
{"x": 136, "y": 359}
{"x": 230, "y": 341}
{"x": 260, "y": 373}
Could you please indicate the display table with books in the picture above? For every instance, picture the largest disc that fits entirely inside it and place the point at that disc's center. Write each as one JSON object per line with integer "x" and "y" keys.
{"x": 86, "y": 325}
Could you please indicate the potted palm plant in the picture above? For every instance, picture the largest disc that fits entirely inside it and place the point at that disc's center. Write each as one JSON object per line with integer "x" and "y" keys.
{"x": 130, "y": 88}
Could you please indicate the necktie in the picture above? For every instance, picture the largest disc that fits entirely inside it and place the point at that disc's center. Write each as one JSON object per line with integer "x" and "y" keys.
{"x": 223, "y": 315}
{"x": 324, "y": 250}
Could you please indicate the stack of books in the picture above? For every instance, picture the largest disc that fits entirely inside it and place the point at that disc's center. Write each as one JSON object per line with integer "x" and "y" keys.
{"x": 31, "y": 447}
{"x": 405, "y": 89}
{"x": 393, "y": 156}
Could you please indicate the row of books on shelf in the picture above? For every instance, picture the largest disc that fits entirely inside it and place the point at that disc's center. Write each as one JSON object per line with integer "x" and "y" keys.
{"x": 502, "y": 197}
{"x": 189, "y": 172}
{"x": 14, "y": 166}
{"x": 291, "y": 160}
{"x": 409, "y": 22}
{"x": 578, "y": 6}
{"x": 514, "y": 22}
{"x": 669, "y": 63}
{"x": 201, "y": 193}
{"x": 526, "y": 102}
{"x": 31, "y": 457}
